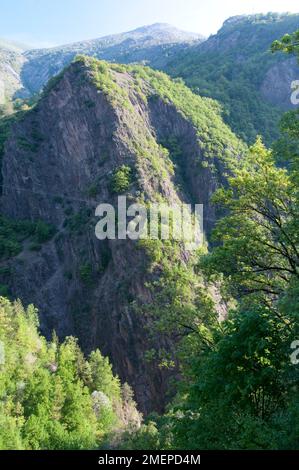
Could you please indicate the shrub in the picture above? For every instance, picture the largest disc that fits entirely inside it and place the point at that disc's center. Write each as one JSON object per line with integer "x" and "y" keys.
{"x": 86, "y": 274}
{"x": 121, "y": 179}
{"x": 43, "y": 232}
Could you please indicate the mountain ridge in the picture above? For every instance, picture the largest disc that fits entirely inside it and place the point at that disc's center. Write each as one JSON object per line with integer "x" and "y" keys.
{"x": 34, "y": 67}
{"x": 236, "y": 67}
{"x": 175, "y": 33}
{"x": 93, "y": 120}
{"x": 233, "y": 66}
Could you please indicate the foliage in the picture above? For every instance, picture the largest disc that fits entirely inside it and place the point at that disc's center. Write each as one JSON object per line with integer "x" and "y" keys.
{"x": 258, "y": 254}
{"x": 289, "y": 43}
{"x": 231, "y": 67}
{"x": 76, "y": 222}
{"x": 43, "y": 231}
{"x": 86, "y": 273}
{"x": 51, "y": 397}
{"x": 105, "y": 81}
{"x": 142, "y": 83}
{"x": 239, "y": 387}
{"x": 216, "y": 139}
{"x": 14, "y": 232}
{"x": 121, "y": 179}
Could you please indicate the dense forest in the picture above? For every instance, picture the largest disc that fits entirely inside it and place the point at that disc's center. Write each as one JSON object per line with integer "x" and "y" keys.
{"x": 52, "y": 397}
{"x": 238, "y": 386}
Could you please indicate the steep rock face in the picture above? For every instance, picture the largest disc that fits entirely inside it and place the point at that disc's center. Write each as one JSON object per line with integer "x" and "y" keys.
{"x": 57, "y": 167}
{"x": 276, "y": 86}
{"x": 198, "y": 182}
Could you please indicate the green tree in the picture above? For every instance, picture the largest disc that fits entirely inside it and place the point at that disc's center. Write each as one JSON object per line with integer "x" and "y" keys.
{"x": 46, "y": 389}
{"x": 289, "y": 44}
{"x": 102, "y": 378}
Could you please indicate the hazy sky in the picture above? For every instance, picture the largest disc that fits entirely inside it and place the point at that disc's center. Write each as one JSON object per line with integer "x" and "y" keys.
{"x": 51, "y": 22}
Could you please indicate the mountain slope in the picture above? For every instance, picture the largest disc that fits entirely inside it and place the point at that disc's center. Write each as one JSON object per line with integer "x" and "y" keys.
{"x": 151, "y": 44}
{"x": 61, "y": 160}
{"x": 11, "y": 62}
{"x": 236, "y": 67}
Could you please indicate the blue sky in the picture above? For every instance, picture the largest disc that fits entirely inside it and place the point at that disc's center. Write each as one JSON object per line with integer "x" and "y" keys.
{"x": 53, "y": 22}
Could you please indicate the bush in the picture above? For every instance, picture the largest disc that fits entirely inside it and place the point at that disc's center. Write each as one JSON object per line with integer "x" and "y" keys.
{"x": 121, "y": 179}
{"x": 86, "y": 273}
{"x": 43, "y": 232}
{"x": 79, "y": 220}
{"x": 14, "y": 232}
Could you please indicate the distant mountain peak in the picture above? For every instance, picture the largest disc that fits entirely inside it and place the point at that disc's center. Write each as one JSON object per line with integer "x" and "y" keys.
{"x": 166, "y": 28}
{"x": 154, "y": 27}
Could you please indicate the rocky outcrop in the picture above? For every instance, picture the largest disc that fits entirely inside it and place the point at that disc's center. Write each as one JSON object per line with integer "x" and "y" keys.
{"x": 57, "y": 167}
{"x": 276, "y": 87}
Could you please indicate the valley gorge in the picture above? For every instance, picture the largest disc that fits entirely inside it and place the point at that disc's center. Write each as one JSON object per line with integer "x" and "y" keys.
{"x": 57, "y": 166}
{"x": 116, "y": 332}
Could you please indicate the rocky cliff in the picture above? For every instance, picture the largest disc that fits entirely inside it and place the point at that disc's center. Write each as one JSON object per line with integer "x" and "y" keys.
{"x": 60, "y": 162}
